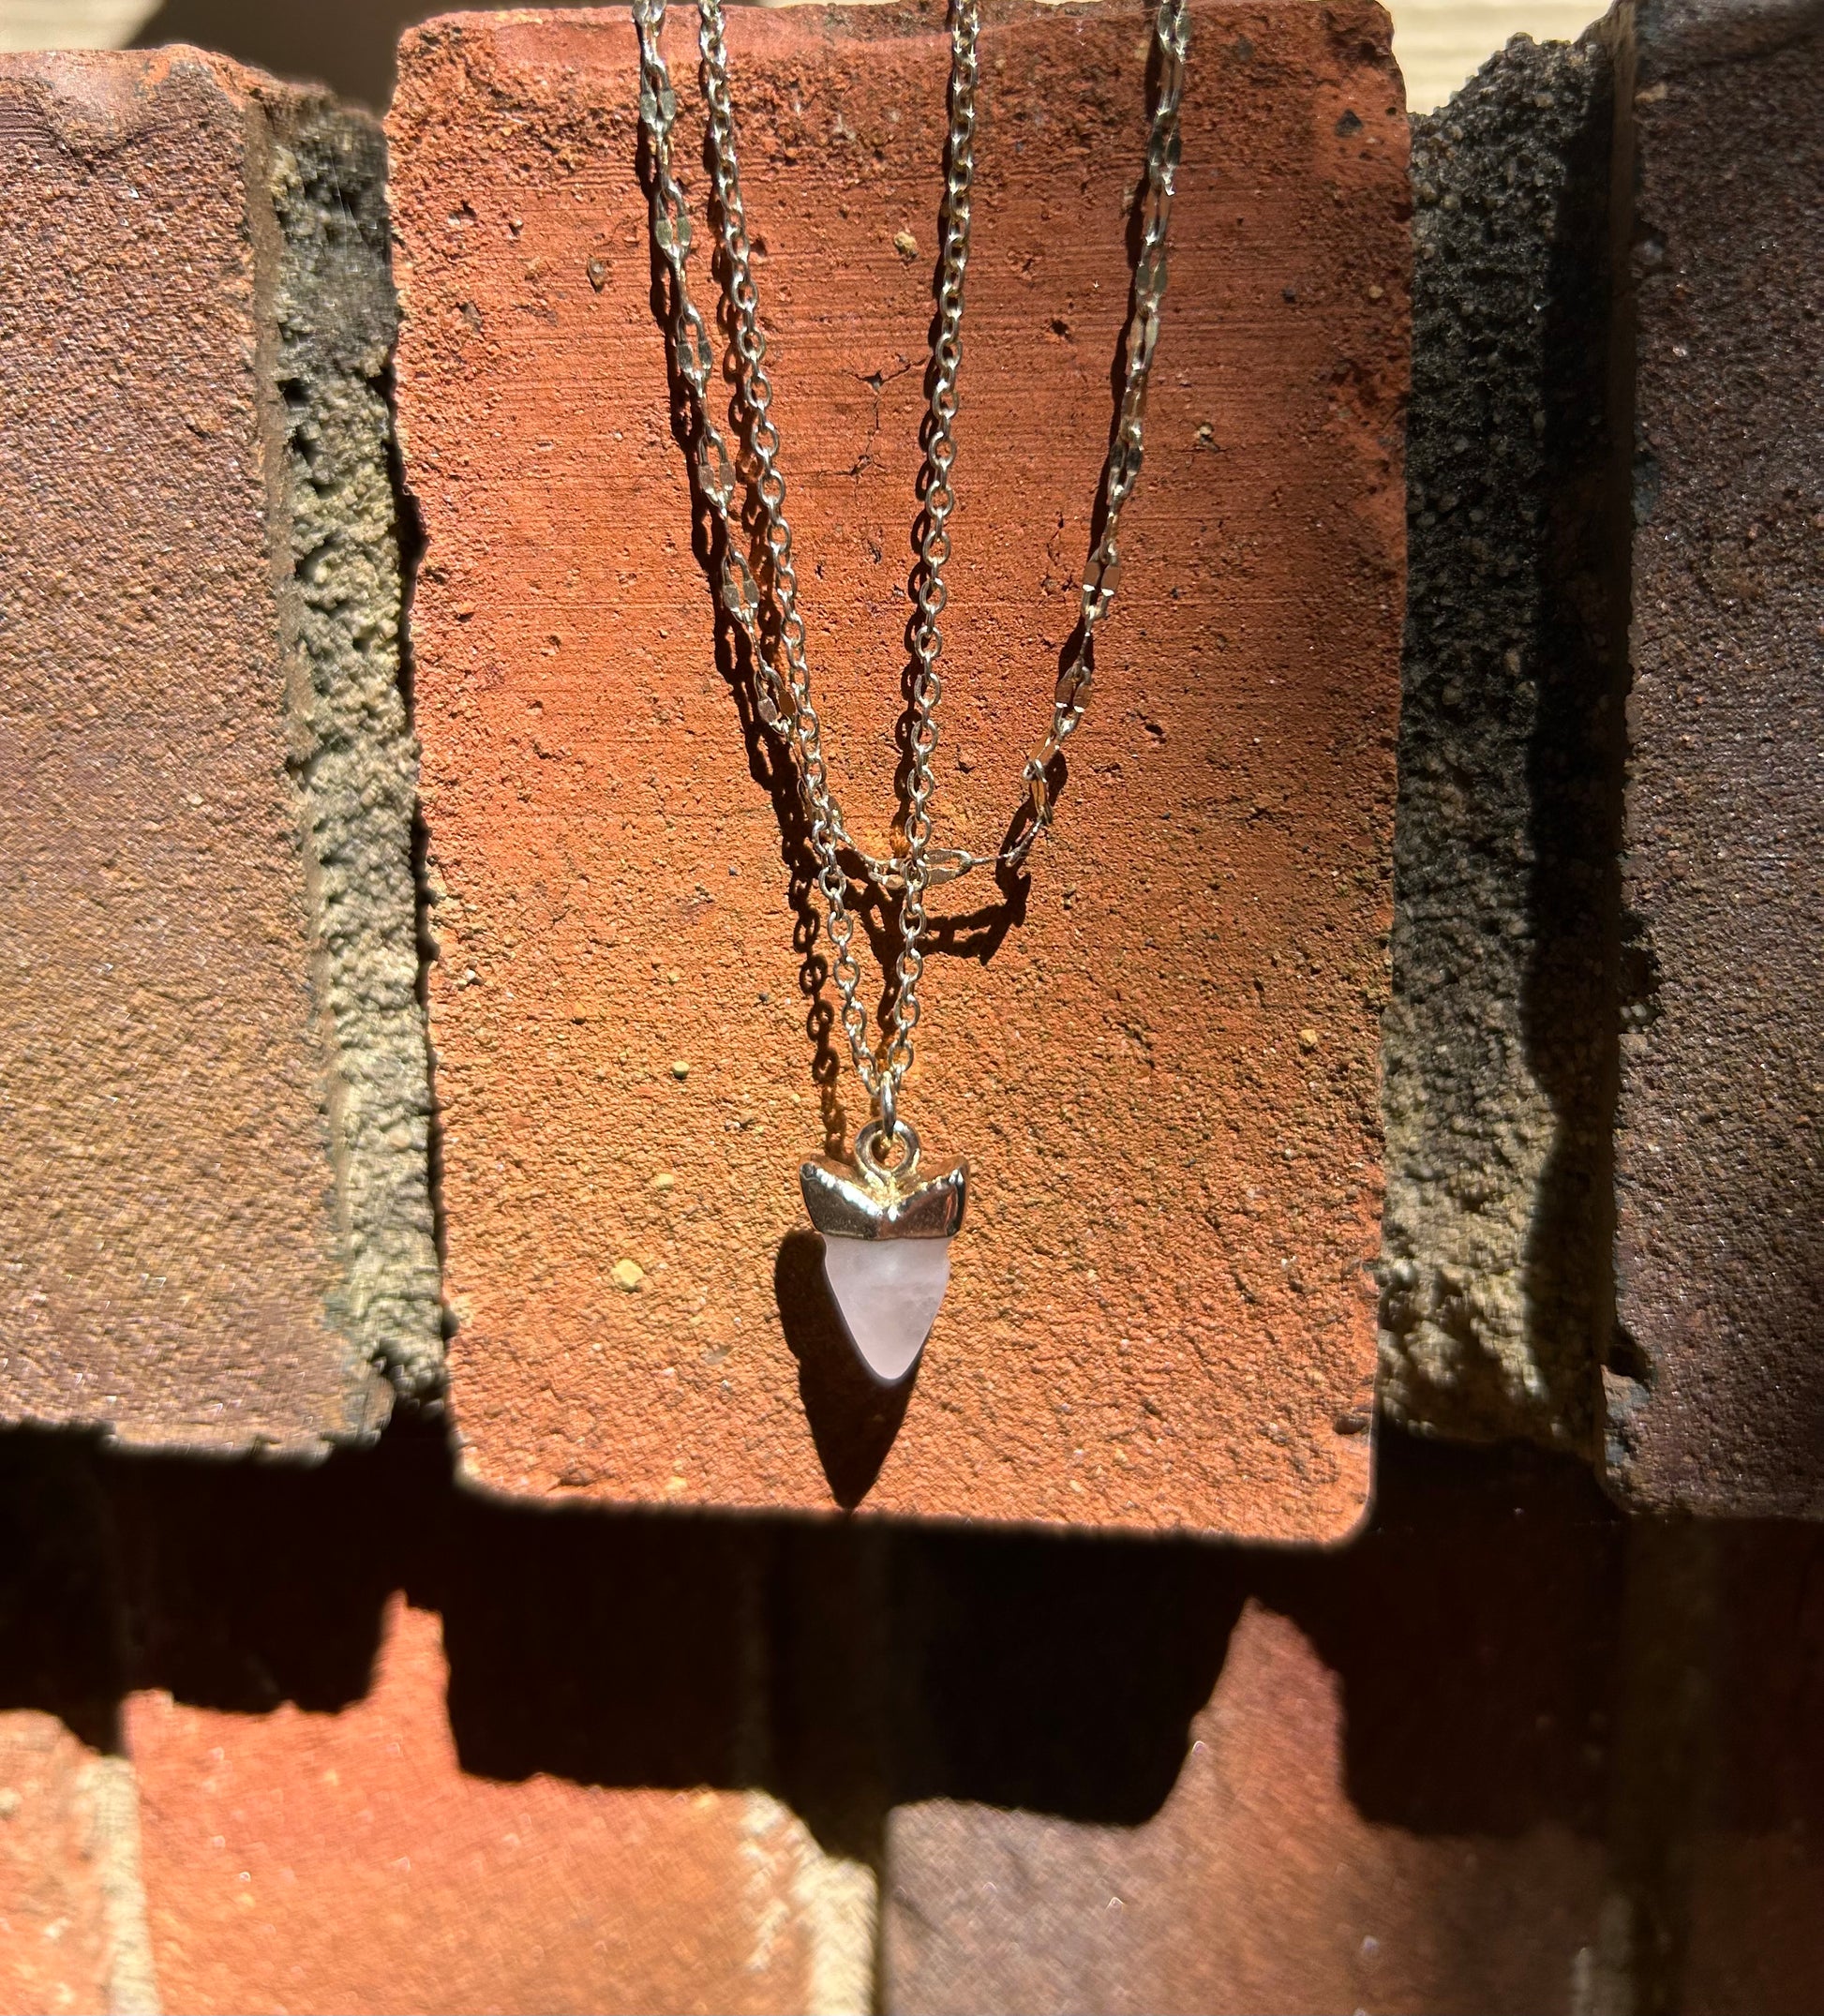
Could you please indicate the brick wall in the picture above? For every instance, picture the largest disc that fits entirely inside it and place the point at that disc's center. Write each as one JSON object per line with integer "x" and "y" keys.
{"x": 333, "y": 1677}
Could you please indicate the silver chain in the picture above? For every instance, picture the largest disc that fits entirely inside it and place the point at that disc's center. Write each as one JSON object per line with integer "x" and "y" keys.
{"x": 782, "y": 676}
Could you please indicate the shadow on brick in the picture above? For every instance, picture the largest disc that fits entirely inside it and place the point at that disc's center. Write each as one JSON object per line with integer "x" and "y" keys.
{"x": 846, "y": 1666}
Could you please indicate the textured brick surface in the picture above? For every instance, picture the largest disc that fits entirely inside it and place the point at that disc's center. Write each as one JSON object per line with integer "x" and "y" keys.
{"x": 1499, "y": 1049}
{"x": 1259, "y": 1885}
{"x": 215, "y": 1221}
{"x": 1717, "y": 1400}
{"x": 54, "y": 1949}
{"x": 331, "y": 1863}
{"x": 1161, "y": 1061}
{"x": 1201, "y": 1779}
{"x": 1503, "y": 1751}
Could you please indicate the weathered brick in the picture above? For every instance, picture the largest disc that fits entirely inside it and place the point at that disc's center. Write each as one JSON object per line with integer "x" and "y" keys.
{"x": 1162, "y": 1060}
{"x": 72, "y": 1931}
{"x": 337, "y": 1862}
{"x": 1715, "y": 1402}
{"x": 1151, "y": 1779}
{"x": 72, "y": 1923}
{"x": 1259, "y": 1885}
{"x": 1499, "y": 1044}
{"x": 215, "y": 1226}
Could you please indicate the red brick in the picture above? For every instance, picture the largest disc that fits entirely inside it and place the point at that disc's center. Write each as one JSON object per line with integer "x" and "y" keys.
{"x": 1164, "y": 1076}
{"x": 214, "y": 1222}
{"x": 1716, "y": 1393}
{"x": 71, "y": 1923}
{"x": 53, "y": 1946}
{"x": 332, "y": 1863}
{"x": 1259, "y": 1884}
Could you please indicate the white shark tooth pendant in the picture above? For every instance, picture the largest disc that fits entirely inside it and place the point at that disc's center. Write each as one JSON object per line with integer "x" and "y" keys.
{"x": 885, "y": 1248}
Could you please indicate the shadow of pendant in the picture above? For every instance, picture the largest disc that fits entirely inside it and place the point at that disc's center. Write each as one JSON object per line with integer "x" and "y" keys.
{"x": 853, "y": 1419}
{"x": 854, "y": 1413}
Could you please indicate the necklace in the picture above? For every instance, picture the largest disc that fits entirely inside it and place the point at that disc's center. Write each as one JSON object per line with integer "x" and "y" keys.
{"x": 886, "y": 1238}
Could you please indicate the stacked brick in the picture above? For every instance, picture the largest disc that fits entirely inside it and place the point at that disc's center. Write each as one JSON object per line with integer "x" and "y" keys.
{"x": 398, "y": 1744}
{"x": 335, "y": 1737}
{"x": 348, "y": 1732}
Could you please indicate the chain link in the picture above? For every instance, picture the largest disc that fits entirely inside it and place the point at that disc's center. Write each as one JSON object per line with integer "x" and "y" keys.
{"x": 781, "y": 675}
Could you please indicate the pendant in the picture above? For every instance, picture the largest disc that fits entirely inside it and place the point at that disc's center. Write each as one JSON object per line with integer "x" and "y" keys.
{"x": 885, "y": 1248}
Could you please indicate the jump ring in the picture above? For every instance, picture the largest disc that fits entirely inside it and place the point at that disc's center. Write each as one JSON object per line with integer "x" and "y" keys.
{"x": 867, "y": 1152}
